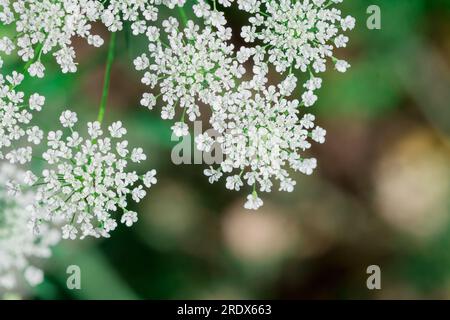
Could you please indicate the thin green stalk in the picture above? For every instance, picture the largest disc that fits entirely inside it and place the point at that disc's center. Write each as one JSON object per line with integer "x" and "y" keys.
{"x": 183, "y": 15}
{"x": 107, "y": 79}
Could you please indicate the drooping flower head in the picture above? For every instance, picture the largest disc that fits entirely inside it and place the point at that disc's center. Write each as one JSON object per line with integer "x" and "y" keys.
{"x": 20, "y": 246}
{"x": 87, "y": 182}
{"x": 15, "y": 120}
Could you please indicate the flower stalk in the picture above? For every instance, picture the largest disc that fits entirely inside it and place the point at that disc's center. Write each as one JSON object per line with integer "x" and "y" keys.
{"x": 183, "y": 15}
{"x": 107, "y": 78}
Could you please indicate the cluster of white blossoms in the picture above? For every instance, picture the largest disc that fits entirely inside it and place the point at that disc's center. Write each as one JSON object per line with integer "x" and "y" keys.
{"x": 86, "y": 186}
{"x": 20, "y": 246}
{"x": 138, "y": 12}
{"x": 190, "y": 67}
{"x": 298, "y": 34}
{"x": 15, "y": 120}
{"x": 86, "y": 181}
{"x": 48, "y": 26}
{"x": 262, "y": 134}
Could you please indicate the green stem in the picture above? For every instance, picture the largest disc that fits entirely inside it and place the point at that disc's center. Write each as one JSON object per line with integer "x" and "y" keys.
{"x": 183, "y": 15}
{"x": 107, "y": 79}
{"x": 37, "y": 53}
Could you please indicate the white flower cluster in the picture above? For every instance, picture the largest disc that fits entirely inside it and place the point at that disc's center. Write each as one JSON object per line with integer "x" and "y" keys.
{"x": 262, "y": 133}
{"x": 15, "y": 119}
{"x": 48, "y": 26}
{"x": 298, "y": 34}
{"x": 138, "y": 12}
{"x": 19, "y": 245}
{"x": 193, "y": 67}
{"x": 87, "y": 181}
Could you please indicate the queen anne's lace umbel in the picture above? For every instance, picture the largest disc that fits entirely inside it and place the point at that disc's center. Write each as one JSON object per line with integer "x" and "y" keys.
{"x": 86, "y": 182}
{"x": 262, "y": 132}
{"x": 47, "y": 26}
{"x": 262, "y": 135}
{"x": 20, "y": 246}
{"x": 298, "y": 34}
{"x": 192, "y": 68}
{"x": 188, "y": 66}
{"x": 138, "y": 12}
{"x": 15, "y": 120}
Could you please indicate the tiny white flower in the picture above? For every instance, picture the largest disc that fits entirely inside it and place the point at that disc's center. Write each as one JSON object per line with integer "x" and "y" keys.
{"x": 36, "y": 69}
{"x": 204, "y": 142}
{"x": 35, "y": 135}
{"x": 318, "y": 134}
{"x": 30, "y": 178}
{"x": 287, "y": 185}
{"x": 342, "y": 65}
{"x": 309, "y": 98}
{"x": 129, "y": 218}
{"x": 212, "y": 174}
{"x": 138, "y": 194}
{"x": 68, "y": 119}
{"x": 180, "y": 129}
{"x": 69, "y": 232}
{"x": 348, "y": 23}
{"x": 34, "y": 276}
{"x": 234, "y": 183}
{"x": 308, "y": 165}
{"x": 148, "y": 100}
{"x": 137, "y": 155}
{"x": 149, "y": 178}
{"x": 94, "y": 129}
{"x": 117, "y": 130}
{"x": 253, "y": 202}
{"x": 36, "y": 102}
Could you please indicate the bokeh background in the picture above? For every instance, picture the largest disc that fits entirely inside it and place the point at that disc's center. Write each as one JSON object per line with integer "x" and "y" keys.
{"x": 380, "y": 194}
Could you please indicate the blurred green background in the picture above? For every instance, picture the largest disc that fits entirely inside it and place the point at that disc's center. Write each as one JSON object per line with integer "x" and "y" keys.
{"x": 380, "y": 194}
